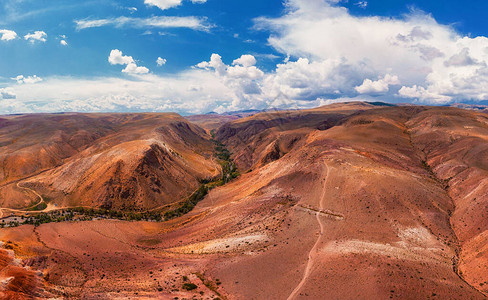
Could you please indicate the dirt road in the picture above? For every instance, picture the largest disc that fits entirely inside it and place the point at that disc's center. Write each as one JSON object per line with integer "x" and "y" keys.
{"x": 313, "y": 251}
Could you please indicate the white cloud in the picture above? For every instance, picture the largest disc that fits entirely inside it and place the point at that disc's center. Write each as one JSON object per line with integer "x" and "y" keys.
{"x": 39, "y": 36}
{"x": 161, "y": 61}
{"x": 132, "y": 68}
{"x": 377, "y": 87}
{"x": 117, "y": 58}
{"x": 460, "y": 59}
{"x": 245, "y": 61}
{"x": 166, "y": 4}
{"x": 192, "y": 91}
{"x": 7, "y": 93}
{"x": 7, "y": 35}
{"x": 432, "y": 59}
{"x": 331, "y": 56}
{"x": 308, "y": 80}
{"x": 29, "y": 79}
{"x": 361, "y": 4}
{"x": 420, "y": 93}
{"x": 63, "y": 43}
{"x": 215, "y": 63}
{"x": 195, "y": 23}
{"x": 132, "y": 9}
{"x": 243, "y": 78}
{"x": 163, "y": 4}
{"x": 84, "y": 24}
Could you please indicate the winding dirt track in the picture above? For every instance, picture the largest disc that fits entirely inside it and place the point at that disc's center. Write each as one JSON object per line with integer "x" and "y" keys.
{"x": 313, "y": 251}
{"x": 41, "y": 200}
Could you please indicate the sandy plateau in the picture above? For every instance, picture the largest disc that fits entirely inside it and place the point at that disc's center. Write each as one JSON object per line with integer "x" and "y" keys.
{"x": 347, "y": 201}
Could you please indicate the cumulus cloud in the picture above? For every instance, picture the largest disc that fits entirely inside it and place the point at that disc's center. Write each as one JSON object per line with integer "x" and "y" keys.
{"x": 7, "y": 35}
{"x": 63, "y": 43}
{"x": 243, "y": 67}
{"x": 377, "y": 87}
{"x": 29, "y": 79}
{"x": 39, "y": 36}
{"x": 245, "y": 60}
{"x": 331, "y": 55}
{"x": 132, "y": 68}
{"x": 163, "y": 4}
{"x": 116, "y": 57}
{"x": 195, "y": 23}
{"x": 242, "y": 77}
{"x": 435, "y": 63}
{"x": 460, "y": 59}
{"x": 192, "y": 91}
{"x": 421, "y": 93}
{"x": 216, "y": 86}
{"x": 161, "y": 61}
{"x": 7, "y": 93}
{"x": 166, "y": 4}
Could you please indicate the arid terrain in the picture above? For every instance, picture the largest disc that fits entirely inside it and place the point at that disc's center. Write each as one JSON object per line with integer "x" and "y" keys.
{"x": 345, "y": 201}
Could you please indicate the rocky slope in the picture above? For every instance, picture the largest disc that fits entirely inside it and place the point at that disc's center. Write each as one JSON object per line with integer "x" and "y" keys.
{"x": 126, "y": 161}
{"x": 344, "y": 202}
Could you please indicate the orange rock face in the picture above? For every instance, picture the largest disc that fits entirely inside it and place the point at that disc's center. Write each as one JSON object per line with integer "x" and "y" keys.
{"x": 348, "y": 201}
{"x": 118, "y": 161}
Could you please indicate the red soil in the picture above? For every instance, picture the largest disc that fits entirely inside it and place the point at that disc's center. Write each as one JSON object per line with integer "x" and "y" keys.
{"x": 366, "y": 202}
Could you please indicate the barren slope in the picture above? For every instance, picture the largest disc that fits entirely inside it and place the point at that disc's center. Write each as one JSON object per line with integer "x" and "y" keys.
{"x": 455, "y": 144}
{"x": 141, "y": 161}
{"x": 367, "y": 203}
{"x": 264, "y": 137}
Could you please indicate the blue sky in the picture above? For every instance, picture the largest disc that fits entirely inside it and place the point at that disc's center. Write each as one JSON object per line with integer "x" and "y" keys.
{"x": 195, "y": 56}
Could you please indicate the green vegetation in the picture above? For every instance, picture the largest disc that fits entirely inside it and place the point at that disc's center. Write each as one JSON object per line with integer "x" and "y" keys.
{"x": 229, "y": 169}
{"x": 189, "y": 204}
{"x": 40, "y": 206}
{"x": 229, "y": 172}
{"x": 378, "y": 103}
{"x": 209, "y": 284}
{"x": 80, "y": 214}
{"x": 189, "y": 286}
{"x": 36, "y": 206}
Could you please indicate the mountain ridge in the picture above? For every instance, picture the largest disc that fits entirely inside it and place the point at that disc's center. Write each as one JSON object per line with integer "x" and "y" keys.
{"x": 348, "y": 200}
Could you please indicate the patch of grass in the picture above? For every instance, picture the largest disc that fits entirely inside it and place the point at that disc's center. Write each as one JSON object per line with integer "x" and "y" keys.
{"x": 189, "y": 286}
{"x": 229, "y": 172}
{"x": 40, "y": 206}
{"x": 189, "y": 204}
{"x": 378, "y": 103}
{"x": 209, "y": 284}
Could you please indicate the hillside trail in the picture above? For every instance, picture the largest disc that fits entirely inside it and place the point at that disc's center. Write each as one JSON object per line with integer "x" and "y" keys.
{"x": 313, "y": 251}
{"x": 41, "y": 200}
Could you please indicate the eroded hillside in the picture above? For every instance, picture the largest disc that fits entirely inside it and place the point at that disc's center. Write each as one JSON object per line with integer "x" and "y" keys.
{"x": 117, "y": 161}
{"x": 344, "y": 202}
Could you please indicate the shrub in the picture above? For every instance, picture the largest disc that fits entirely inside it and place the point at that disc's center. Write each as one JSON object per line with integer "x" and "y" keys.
{"x": 189, "y": 286}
